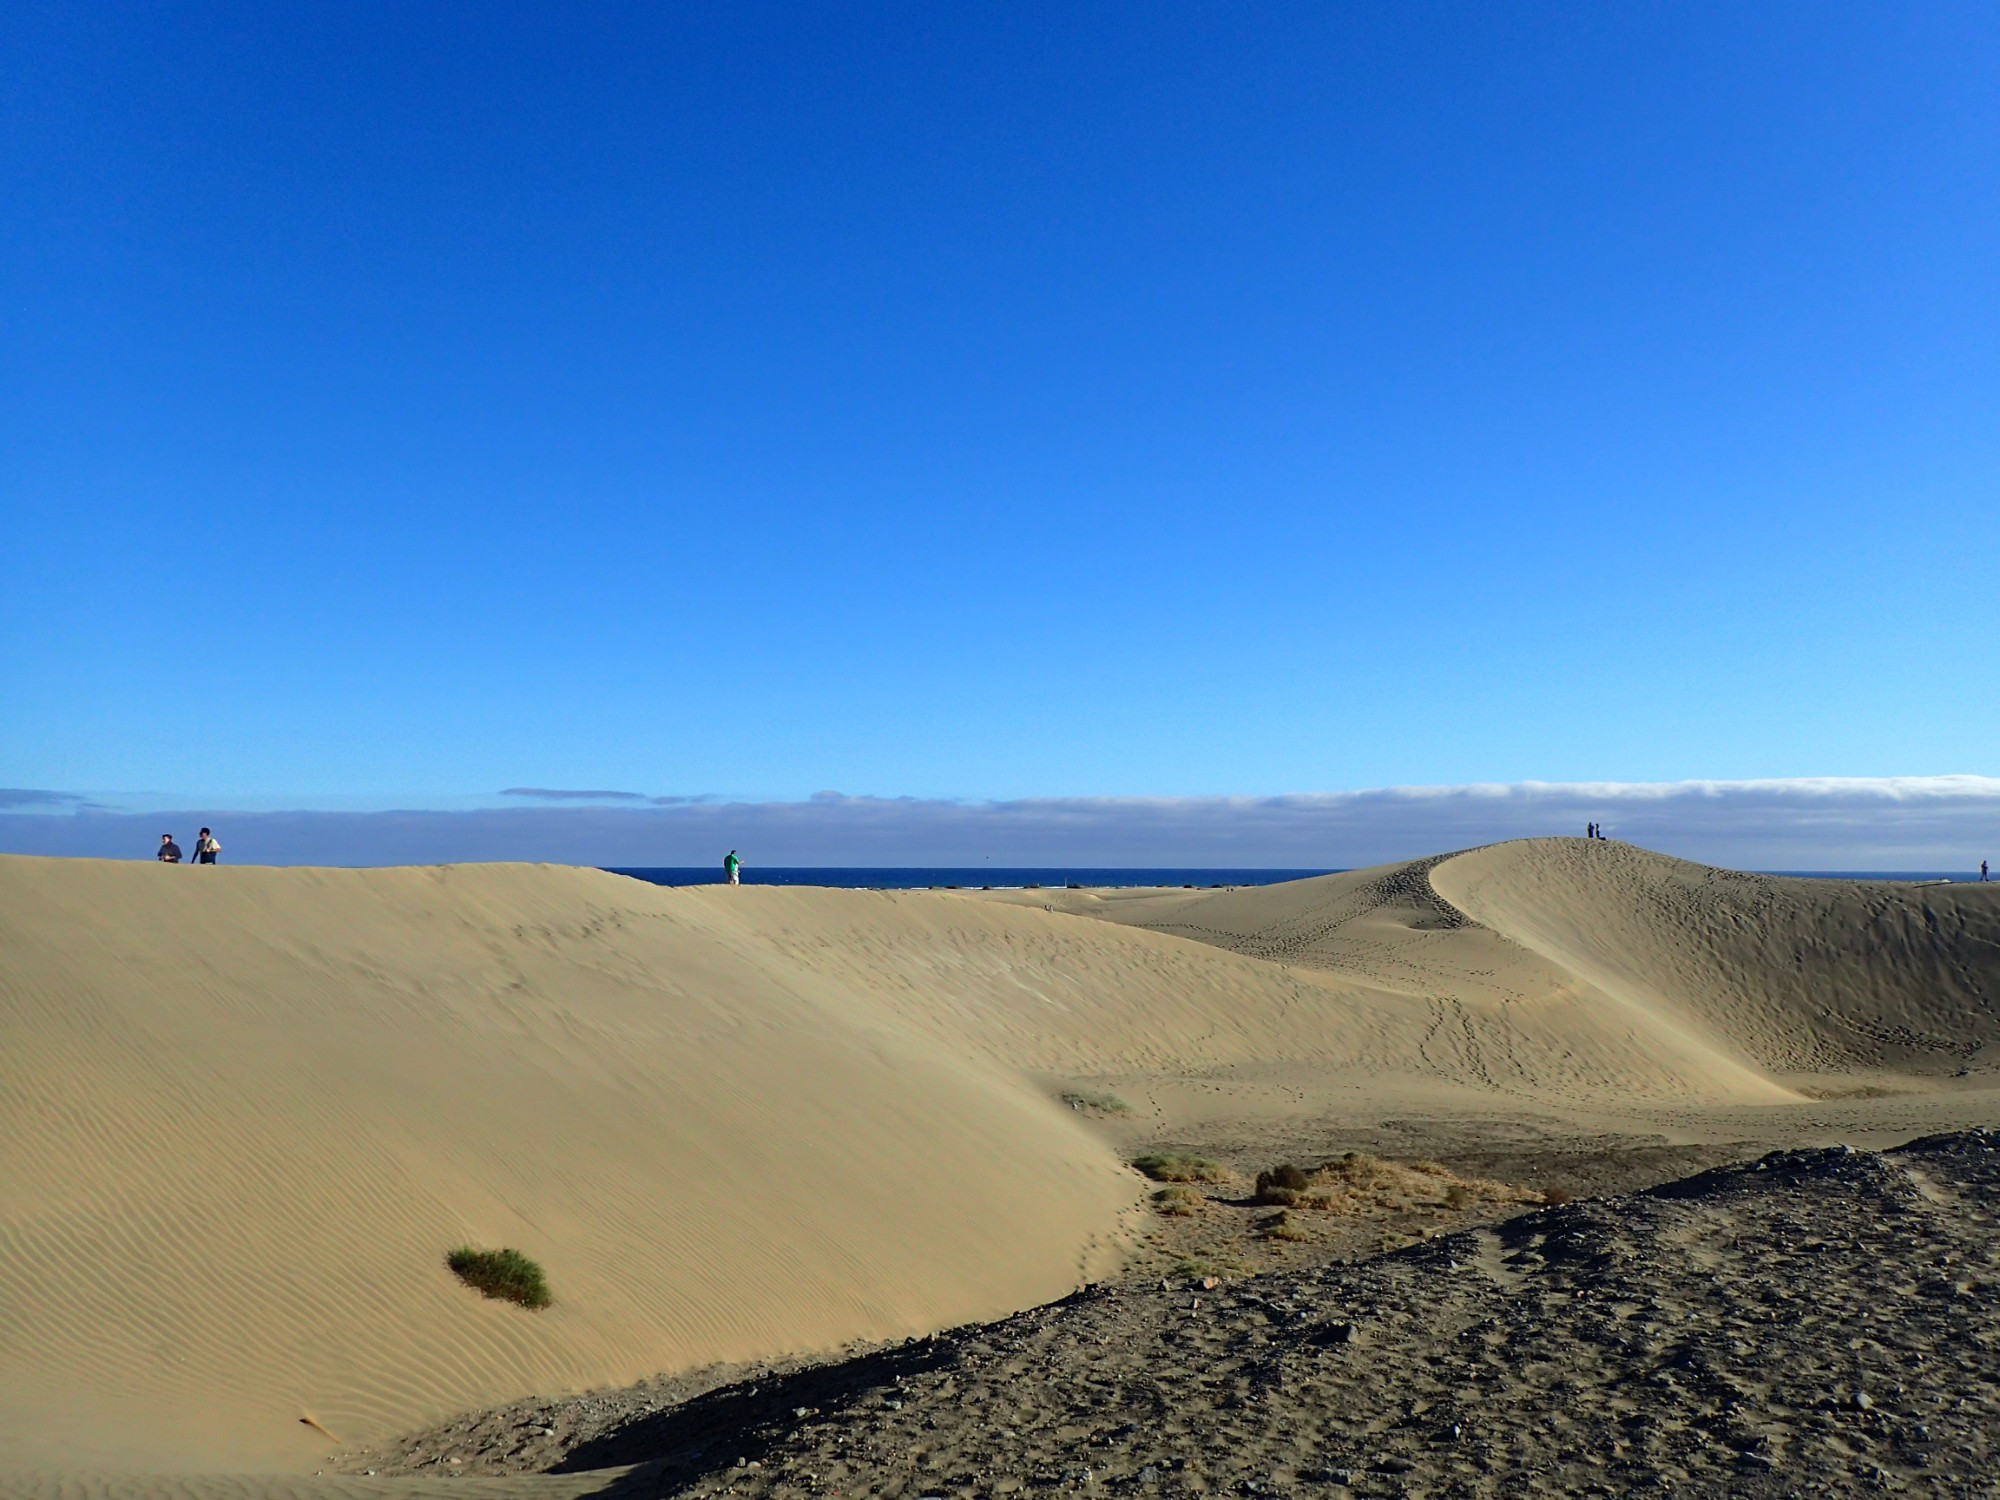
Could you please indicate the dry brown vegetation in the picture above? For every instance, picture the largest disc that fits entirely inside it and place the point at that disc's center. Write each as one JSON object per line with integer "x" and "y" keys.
{"x": 1178, "y": 1202}
{"x": 1357, "y": 1183}
{"x": 1282, "y": 1225}
{"x": 1175, "y": 1168}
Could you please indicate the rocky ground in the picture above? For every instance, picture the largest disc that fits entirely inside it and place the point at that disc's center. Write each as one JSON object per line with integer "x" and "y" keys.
{"x": 1815, "y": 1322}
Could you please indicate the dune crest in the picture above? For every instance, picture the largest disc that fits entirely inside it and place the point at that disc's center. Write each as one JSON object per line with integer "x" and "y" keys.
{"x": 1802, "y": 975}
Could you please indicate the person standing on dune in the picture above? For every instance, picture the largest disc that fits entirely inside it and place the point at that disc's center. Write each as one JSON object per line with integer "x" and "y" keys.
{"x": 206, "y": 848}
{"x": 170, "y": 852}
{"x": 1982, "y": 872}
{"x": 733, "y": 868}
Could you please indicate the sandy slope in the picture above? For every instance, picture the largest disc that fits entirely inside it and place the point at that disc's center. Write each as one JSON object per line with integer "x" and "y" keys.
{"x": 243, "y": 1112}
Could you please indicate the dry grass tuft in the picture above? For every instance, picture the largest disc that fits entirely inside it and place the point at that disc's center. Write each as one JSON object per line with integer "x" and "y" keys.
{"x": 1282, "y": 1225}
{"x": 1284, "y": 1178}
{"x": 1164, "y": 1168}
{"x": 1361, "y": 1185}
{"x": 1178, "y": 1202}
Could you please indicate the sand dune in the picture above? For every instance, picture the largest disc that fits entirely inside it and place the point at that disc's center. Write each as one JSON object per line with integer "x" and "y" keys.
{"x": 1803, "y": 976}
{"x": 244, "y": 1112}
{"x": 1722, "y": 984}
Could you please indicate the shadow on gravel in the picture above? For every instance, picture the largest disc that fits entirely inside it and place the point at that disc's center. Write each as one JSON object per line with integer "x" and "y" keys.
{"x": 744, "y": 1421}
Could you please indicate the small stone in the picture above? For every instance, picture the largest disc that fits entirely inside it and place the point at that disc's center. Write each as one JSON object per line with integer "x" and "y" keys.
{"x": 1863, "y": 1401}
{"x": 1210, "y": 1283}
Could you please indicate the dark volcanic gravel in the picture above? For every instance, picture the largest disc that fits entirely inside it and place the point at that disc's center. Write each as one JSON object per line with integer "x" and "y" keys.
{"x": 1817, "y": 1322}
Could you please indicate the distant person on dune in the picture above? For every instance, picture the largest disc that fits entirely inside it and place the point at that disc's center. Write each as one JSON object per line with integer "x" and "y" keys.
{"x": 733, "y": 868}
{"x": 170, "y": 852}
{"x": 1982, "y": 871}
{"x": 206, "y": 848}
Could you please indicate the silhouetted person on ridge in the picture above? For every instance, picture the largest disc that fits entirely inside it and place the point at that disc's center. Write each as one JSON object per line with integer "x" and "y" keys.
{"x": 1982, "y": 870}
{"x": 170, "y": 852}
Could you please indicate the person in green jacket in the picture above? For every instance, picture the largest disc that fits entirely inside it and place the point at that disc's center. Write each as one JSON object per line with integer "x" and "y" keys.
{"x": 733, "y": 868}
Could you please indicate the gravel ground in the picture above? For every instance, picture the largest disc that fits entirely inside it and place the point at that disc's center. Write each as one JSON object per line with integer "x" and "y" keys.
{"x": 1816, "y": 1322}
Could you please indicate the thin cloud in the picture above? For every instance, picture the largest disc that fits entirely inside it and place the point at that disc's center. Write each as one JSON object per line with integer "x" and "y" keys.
{"x": 556, "y": 794}
{"x": 22, "y": 796}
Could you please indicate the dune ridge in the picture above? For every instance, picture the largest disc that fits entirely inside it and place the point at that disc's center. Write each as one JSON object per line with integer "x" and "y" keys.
{"x": 244, "y": 1112}
{"x": 1750, "y": 982}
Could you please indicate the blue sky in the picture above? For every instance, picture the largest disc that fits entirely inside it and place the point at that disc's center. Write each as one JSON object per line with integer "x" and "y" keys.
{"x": 994, "y": 401}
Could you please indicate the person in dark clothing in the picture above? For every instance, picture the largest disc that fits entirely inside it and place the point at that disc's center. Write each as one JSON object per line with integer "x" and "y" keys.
{"x": 206, "y": 848}
{"x": 170, "y": 852}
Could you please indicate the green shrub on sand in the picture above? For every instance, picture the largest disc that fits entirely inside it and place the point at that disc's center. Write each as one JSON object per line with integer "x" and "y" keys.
{"x": 507, "y": 1275}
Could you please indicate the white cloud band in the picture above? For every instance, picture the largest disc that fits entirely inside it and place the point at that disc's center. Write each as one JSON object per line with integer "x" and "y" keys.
{"x": 1845, "y": 823}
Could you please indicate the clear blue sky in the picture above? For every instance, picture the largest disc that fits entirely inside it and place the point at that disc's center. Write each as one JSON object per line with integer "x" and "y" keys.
{"x": 995, "y": 400}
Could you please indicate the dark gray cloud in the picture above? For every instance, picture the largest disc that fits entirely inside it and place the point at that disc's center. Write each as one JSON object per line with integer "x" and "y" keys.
{"x": 1909, "y": 823}
{"x": 554, "y": 794}
{"x": 22, "y": 796}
